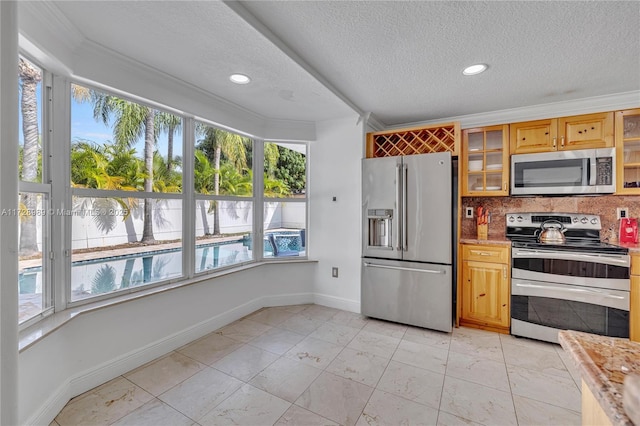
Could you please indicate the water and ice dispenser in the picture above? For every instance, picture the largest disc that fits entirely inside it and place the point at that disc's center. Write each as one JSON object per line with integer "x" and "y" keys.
{"x": 380, "y": 226}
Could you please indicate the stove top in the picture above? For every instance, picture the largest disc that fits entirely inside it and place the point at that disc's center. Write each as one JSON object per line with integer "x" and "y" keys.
{"x": 581, "y": 231}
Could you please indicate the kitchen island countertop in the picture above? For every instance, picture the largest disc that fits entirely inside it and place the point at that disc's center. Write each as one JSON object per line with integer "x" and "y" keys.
{"x": 603, "y": 363}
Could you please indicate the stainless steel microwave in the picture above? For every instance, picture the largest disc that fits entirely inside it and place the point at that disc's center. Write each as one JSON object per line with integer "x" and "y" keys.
{"x": 585, "y": 171}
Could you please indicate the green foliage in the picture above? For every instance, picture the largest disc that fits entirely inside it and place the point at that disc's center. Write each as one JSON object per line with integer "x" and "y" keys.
{"x": 165, "y": 180}
{"x": 291, "y": 169}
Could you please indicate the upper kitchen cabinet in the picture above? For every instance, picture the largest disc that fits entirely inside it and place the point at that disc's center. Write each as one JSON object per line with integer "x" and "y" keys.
{"x": 414, "y": 140}
{"x": 565, "y": 133}
{"x": 533, "y": 136}
{"x": 628, "y": 151}
{"x": 485, "y": 161}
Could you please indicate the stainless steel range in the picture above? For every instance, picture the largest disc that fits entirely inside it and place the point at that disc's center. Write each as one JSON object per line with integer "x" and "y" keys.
{"x": 580, "y": 284}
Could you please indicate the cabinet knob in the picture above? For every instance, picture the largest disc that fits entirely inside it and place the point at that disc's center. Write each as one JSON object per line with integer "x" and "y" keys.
{"x": 554, "y": 142}
{"x": 562, "y": 142}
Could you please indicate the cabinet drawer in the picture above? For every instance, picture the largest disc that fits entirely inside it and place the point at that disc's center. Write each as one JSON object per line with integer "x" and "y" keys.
{"x": 485, "y": 253}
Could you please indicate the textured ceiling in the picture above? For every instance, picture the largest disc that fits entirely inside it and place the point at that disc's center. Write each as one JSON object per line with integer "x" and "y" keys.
{"x": 401, "y": 61}
{"x": 203, "y": 43}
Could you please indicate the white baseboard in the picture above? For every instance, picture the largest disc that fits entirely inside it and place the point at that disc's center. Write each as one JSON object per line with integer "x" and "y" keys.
{"x": 337, "y": 302}
{"x": 109, "y": 370}
{"x": 288, "y": 299}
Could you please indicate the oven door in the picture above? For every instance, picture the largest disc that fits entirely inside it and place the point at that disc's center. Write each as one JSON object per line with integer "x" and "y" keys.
{"x": 540, "y": 309}
{"x": 599, "y": 270}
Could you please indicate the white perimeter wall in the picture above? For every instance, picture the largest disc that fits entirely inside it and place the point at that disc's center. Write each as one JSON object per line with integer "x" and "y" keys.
{"x": 95, "y": 347}
{"x": 334, "y": 226}
{"x": 235, "y": 217}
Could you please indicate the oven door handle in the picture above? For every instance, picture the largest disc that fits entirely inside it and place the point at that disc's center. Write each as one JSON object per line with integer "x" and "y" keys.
{"x": 600, "y": 297}
{"x": 572, "y": 290}
{"x": 620, "y": 260}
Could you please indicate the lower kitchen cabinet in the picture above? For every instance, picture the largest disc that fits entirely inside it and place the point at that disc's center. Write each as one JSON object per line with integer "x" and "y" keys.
{"x": 484, "y": 289}
{"x": 634, "y": 308}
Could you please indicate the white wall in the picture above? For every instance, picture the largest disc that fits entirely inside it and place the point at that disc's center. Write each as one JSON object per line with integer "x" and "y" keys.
{"x": 334, "y": 226}
{"x": 95, "y": 347}
{"x": 8, "y": 200}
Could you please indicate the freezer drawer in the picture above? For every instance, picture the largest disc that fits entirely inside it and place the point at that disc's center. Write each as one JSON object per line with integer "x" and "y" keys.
{"x": 411, "y": 293}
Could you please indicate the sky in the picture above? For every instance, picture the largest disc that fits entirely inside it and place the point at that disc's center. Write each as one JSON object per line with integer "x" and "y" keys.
{"x": 84, "y": 126}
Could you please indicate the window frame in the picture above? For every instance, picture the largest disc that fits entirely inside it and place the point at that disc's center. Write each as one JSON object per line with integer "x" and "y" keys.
{"x": 56, "y": 189}
{"x": 102, "y": 193}
{"x": 42, "y": 188}
{"x": 212, "y": 197}
{"x": 304, "y": 199}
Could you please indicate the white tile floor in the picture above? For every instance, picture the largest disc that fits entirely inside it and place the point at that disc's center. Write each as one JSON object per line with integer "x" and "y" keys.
{"x": 312, "y": 365}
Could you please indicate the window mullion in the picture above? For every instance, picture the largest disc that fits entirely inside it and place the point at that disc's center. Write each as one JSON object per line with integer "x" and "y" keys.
{"x": 188, "y": 202}
{"x": 59, "y": 174}
{"x": 258, "y": 194}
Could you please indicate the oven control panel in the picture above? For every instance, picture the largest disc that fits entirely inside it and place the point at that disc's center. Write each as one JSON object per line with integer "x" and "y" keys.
{"x": 568, "y": 220}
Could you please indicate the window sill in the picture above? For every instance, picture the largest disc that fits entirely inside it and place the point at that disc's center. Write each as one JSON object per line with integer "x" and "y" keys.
{"x": 49, "y": 324}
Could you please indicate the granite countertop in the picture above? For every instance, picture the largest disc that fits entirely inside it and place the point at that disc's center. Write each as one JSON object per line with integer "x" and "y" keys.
{"x": 634, "y": 248}
{"x": 603, "y": 363}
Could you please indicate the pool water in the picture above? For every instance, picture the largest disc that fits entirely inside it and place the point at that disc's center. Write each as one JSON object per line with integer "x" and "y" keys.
{"x": 99, "y": 276}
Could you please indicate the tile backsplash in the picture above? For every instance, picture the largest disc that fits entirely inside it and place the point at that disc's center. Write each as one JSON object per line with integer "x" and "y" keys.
{"x": 603, "y": 205}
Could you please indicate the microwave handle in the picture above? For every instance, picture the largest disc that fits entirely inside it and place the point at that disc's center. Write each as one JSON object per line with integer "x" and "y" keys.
{"x": 592, "y": 171}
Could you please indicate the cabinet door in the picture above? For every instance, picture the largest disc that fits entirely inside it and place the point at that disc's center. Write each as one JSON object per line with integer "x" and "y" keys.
{"x": 634, "y": 309}
{"x": 533, "y": 136}
{"x": 586, "y": 131}
{"x": 485, "y": 161}
{"x": 627, "y": 136}
{"x": 485, "y": 293}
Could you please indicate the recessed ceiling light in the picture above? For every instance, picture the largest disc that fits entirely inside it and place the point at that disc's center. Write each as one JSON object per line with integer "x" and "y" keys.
{"x": 474, "y": 69}
{"x": 240, "y": 79}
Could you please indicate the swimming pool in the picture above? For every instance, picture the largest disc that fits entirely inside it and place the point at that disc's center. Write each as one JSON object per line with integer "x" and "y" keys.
{"x": 93, "y": 277}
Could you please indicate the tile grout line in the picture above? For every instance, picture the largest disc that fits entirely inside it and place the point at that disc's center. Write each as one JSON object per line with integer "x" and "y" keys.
{"x": 513, "y": 402}
{"x": 380, "y": 378}
{"x": 444, "y": 379}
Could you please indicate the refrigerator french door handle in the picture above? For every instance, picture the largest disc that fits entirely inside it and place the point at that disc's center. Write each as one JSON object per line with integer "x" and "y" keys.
{"x": 405, "y": 213}
{"x": 398, "y": 202}
{"x": 400, "y": 268}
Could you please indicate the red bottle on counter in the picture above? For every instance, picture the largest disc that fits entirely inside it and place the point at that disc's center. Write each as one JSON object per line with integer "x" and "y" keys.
{"x": 628, "y": 230}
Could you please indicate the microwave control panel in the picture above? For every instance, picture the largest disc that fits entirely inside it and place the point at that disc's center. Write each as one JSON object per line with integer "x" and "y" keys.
{"x": 604, "y": 171}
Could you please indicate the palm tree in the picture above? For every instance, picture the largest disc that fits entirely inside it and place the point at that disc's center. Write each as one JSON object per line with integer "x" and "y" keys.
{"x": 169, "y": 123}
{"x": 131, "y": 122}
{"x": 30, "y": 76}
{"x": 203, "y": 174}
{"x": 233, "y": 146}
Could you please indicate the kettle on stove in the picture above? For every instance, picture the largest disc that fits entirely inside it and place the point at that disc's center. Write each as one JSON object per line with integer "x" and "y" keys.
{"x": 552, "y": 232}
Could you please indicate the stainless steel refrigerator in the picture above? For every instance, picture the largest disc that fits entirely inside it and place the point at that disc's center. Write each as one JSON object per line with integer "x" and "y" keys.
{"x": 407, "y": 206}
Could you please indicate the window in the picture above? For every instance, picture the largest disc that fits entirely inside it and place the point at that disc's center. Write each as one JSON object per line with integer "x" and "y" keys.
{"x": 223, "y": 183}
{"x": 119, "y": 207}
{"x": 33, "y": 264}
{"x": 126, "y": 181}
{"x": 285, "y": 207}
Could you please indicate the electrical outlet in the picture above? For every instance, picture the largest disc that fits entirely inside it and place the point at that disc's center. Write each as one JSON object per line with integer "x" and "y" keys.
{"x": 334, "y": 272}
{"x": 468, "y": 212}
{"x": 622, "y": 212}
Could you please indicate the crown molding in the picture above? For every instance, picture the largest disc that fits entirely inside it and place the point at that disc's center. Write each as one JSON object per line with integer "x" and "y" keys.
{"x": 612, "y": 102}
{"x": 46, "y": 16}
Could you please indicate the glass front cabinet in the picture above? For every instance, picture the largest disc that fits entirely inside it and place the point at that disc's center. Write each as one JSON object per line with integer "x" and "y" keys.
{"x": 628, "y": 151}
{"x": 485, "y": 161}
